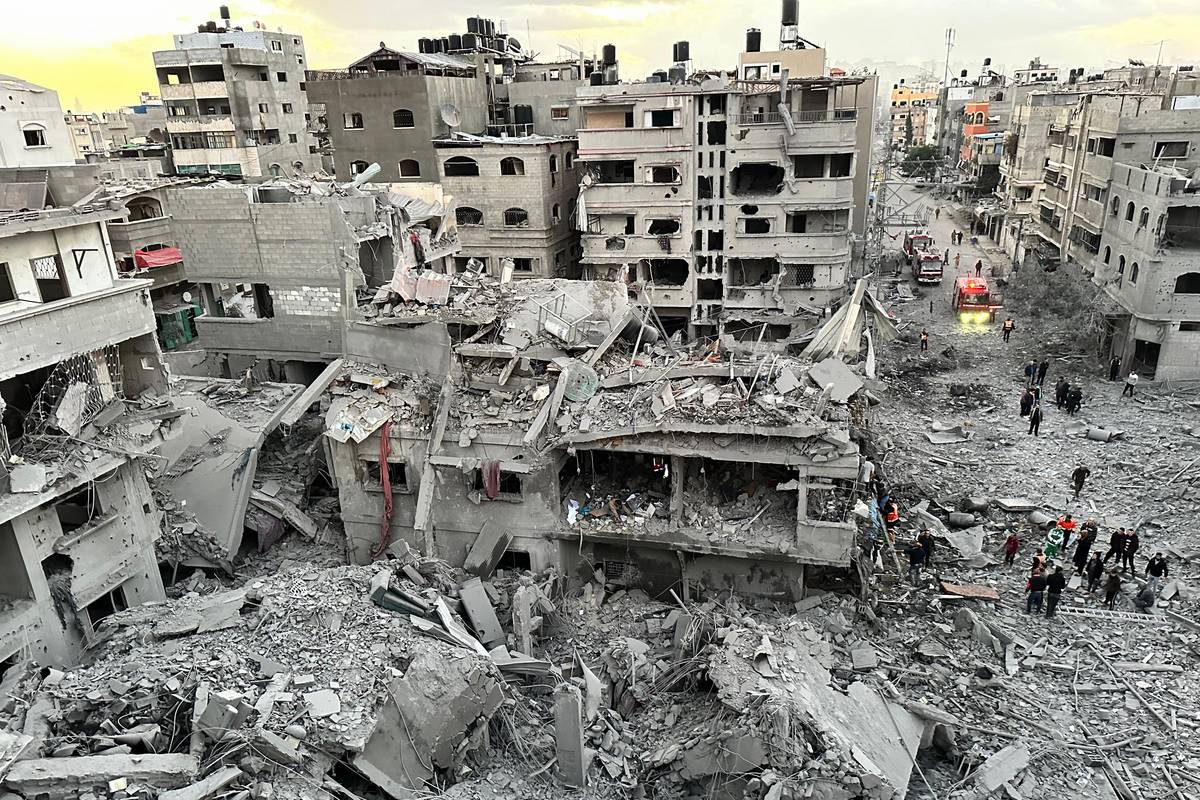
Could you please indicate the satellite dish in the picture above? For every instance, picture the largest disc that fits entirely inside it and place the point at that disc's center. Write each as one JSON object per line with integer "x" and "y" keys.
{"x": 450, "y": 115}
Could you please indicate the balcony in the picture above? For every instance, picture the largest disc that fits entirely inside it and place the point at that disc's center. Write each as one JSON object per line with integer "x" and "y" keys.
{"x": 210, "y": 55}
{"x": 126, "y": 237}
{"x": 813, "y": 129}
{"x": 191, "y": 91}
{"x": 205, "y": 123}
{"x": 38, "y": 335}
{"x": 632, "y": 246}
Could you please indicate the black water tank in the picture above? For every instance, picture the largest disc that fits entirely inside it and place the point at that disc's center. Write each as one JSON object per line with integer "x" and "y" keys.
{"x": 224, "y": 12}
{"x": 444, "y": 46}
{"x": 609, "y": 52}
{"x": 473, "y": 25}
{"x": 424, "y": 46}
{"x": 662, "y": 75}
{"x": 523, "y": 115}
{"x": 489, "y": 27}
{"x": 455, "y": 41}
{"x": 753, "y": 40}
{"x": 210, "y": 26}
{"x": 987, "y": 62}
{"x": 678, "y": 74}
{"x": 596, "y": 79}
{"x": 962, "y": 74}
{"x": 470, "y": 41}
{"x": 679, "y": 52}
{"x": 791, "y": 12}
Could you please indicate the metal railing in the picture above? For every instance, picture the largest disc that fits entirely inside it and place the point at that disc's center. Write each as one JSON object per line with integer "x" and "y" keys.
{"x": 798, "y": 117}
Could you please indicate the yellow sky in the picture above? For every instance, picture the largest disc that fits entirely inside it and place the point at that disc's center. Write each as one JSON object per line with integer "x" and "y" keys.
{"x": 97, "y": 55}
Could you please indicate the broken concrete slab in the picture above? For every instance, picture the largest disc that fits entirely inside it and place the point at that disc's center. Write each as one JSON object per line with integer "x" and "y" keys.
{"x": 864, "y": 658}
{"x": 204, "y": 788}
{"x": 568, "y": 735}
{"x": 479, "y": 612}
{"x": 971, "y": 590}
{"x": 944, "y": 434}
{"x": 323, "y": 703}
{"x": 1015, "y": 505}
{"x": 26, "y": 478}
{"x": 487, "y": 550}
{"x": 69, "y": 778}
{"x": 13, "y": 747}
{"x": 1002, "y": 767}
{"x": 833, "y": 371}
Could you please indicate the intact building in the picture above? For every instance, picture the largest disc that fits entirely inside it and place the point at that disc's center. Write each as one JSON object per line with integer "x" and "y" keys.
{"x": 33, "y": 131}
{"x": 235, "y": 102}
{"x": 77, "y": 520}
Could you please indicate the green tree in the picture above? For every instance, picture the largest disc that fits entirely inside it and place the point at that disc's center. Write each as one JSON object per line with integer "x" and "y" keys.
{"x": 921, "y": 161}
{"x": 908, "y": 131}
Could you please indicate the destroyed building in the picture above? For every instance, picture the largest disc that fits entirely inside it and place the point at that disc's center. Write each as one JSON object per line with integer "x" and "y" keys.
{"x": 516, "y": 408}
{"x": 278, "y": 264}
{"x": 517, "y": 200}
{"x": 726, "y": 203}
{"x": 77, "y": 521}
{"x": 235, "y": 101}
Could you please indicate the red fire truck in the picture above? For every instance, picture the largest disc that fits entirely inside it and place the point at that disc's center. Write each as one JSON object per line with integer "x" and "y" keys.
{"x": 973, "y": 299}
{"x": 923, "y": 256}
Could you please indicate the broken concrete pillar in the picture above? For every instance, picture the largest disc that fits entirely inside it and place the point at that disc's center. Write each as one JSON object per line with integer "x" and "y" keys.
{"x": 568, "y": 735}
{"x": 68, "y": 778}
{"x": 1002, "y": 767}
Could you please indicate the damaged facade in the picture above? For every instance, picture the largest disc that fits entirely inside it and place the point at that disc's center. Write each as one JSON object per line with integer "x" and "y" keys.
{"x": 77, "y": 521}
{"x": 725, "y": 203}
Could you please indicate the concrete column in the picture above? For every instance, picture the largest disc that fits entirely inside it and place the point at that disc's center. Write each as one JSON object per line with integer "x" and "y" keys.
{"x": 568, "y": 735}
{"x": 801, "y": 500}
{"x": 679, "y": 467}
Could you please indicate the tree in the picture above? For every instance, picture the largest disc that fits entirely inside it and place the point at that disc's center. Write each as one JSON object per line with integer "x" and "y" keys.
{"x": 908, "y": 131}
{"x": 921, "y": 161}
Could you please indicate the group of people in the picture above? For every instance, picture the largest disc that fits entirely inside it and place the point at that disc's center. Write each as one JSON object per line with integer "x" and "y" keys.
{"x": 1067, "y": 397}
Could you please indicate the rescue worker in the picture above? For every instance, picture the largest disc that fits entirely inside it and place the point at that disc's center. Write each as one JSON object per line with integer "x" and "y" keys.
{"x": 1054, "y": 588}
{"x": 1130, "y": 381}
{"x": 891, "y": 514}
{"x": 1078, "y": 477}
{"x": 1006, "y": 329}
{"x": 1067, "y": 526}
{"x": 1035, "y": 419}
{"x": 1054, "y": 540}
{"x": 1094, "y": 571}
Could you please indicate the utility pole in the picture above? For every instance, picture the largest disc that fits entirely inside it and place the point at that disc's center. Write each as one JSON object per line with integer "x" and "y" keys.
{"x": 944, "y": 113}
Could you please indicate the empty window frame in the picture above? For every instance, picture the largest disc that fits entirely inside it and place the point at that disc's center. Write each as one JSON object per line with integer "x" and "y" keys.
{"x": 522, "y": 265}
{"x": 460, "y": 167}
{"x": 35, "y": 136}
{"x": 358, "y": 167}
{"x": 664, "y": 174}
{"x": 507, "y": 487}
{"x": 560, "y": 112}
{"x": 466, "y": 215}
{"x": 660, "y": 118}
{"x": 403, "y": 118}
{"x": 1106, "y": 146}
{"x": 397, "y": 475}
{"x": 8, "y": 290}
{"x": 1171, "y": 149}
{"x": 48, "y": 274}
{"x": 512, "y": 166}
{"x": 410, "y": 168}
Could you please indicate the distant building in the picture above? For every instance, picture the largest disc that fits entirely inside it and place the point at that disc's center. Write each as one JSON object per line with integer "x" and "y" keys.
{"x": 235, "y": 102}
{"x": 87, "y": 135}
{"x": 33, "y": 131}
{"x": 907, "y": 112}
{"x": 1036, "y": 72}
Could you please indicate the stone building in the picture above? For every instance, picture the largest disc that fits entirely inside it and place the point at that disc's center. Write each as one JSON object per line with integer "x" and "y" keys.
{"x": 235, "y": 102}
{"x": 33, "y": 130}
{"x": 725, "y": 204}
{"x": 77, "y": 520}
{"x": 517, "y": 199}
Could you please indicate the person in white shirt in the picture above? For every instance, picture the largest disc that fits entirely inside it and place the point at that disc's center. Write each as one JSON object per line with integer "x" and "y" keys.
{"x": 1130, "y": 382}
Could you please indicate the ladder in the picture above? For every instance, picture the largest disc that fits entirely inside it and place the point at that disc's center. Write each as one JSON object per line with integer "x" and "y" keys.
{"x": 1114, "y": 616}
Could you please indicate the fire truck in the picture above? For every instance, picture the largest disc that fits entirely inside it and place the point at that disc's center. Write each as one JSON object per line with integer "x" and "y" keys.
{"x": 923, "y": 256}
{"x": 974, "y": 300}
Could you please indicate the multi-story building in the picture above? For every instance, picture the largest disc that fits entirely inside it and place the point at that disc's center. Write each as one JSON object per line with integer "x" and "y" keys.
{"x": 235, "y": 102}
{"x": 87, "y": 135}
{"x": 907, "y": 112}
{"x": 517, "y": 202}
{"x": 33, "y": 132}
{"x": 727, "y": 204}
{"x": 1036, "y": 72}
{"x": 145, "y": 122}
{"x": 389, "y": 106}
{"x": 77, "y": 519}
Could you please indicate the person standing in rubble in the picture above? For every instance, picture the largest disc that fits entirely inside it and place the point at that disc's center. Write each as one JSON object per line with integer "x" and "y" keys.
{"x": 1131, "y": 381}
{"x": 1054, "y": 589}
{"x": 1042, "y": 369}
{"x": 1078, "y": 477}
{"x": 978, "y": 268}
{"x": 1054, "y": 542}
{"x": 1011, "y": 545}
{"x": 866, "y": 475}
{"x": 1112, "y": 588}
{"x": 1060, "y": 392}
{"x": 1083, "y": 547}
{"x": 1074, "y": 400}
{"x": 957, "y": 259}
{"x": 1094, "y": 572}
{"x": 924, "y": 340}
{"x": 1114, "y": 368}
{"x": 1132, "y": 543}
{"x": 1067, "y": 525}
{"x": 1116, "y": 546}
{"x": 916, "y": 560}
{"x": 1035, "y": 419}
{"x": 1035, "y": 592}
{"x": 1157, "y": 571}
{"x": 927, "y": 543}
{"x": 1007, "y": 328}
{"x": 1026, "y": 402}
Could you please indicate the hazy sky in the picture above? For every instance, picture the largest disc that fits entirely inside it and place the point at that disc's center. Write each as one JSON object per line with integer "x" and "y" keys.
{"x": 97, "y": 54}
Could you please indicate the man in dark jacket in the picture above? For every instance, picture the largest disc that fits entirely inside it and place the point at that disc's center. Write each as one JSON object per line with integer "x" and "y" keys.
{"x": 1157, "y": 571}
{"x": 1094, "y": 571}
{"x": 1114, "y": 368}
{"x": 1116, "y": 546}
{"x": 1144, "y": 600}
{"x": 1080, "y": 475}
{"x": 1087, "y": 536}
{"x": 1035, "y": 592}
{"x": 926, "y": 542}
{"x": 1054, "y": 588}
{"x": 1060, "y": 392}
{"x": 1074, "y": 400}
{"x": 1035, "y": 419}
{"x": 1041, "y": 372}
{"x": 916, "y": 559}
{"x": 1132, "y": 543}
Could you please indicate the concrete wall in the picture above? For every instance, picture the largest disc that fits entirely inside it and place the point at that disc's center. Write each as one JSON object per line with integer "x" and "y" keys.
{"x": 115, "y": 550}
{"x": 539, "y": 192}
{"x": 545, "y": 95}
{"x": 22, "y": 108}
{"x": 376, "y": 96}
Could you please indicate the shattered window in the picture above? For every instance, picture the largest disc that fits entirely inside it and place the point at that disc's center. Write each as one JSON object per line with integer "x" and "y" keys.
{"x": 397, "y": 475}
{"x": 503, "y": 483}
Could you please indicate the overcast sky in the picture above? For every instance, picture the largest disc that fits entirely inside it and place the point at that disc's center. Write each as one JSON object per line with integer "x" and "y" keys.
{"x": 97, "y": 54}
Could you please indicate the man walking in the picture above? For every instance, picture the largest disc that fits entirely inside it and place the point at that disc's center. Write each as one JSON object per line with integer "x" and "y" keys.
{"x": 1083, "y": 547}
{"x": 1094, "y": 571}
{"x": 1114, "y": 368}
{"x": 1035, "y": 591}
{"x": 1078, "y": 477}
{"x": 978, "y": 268}
{"x": 926, "y": 542}
{"x": 1132, "y": 543}
{"x": 1042, "y": 369}
{"x": 937, "y": 212}
{"x": 1031, "y": 373}
{"x": 1060, "y": 392}
{"x": 924, "y": 340}
{"x": 1007, "y": 328}
{"x": 1074, "y": 400}
{"x": 1054, "y": 588}
{"x": 1112, "y": 588}
{"x": 1011, "y": 545}
{"x": 1035, "y": 419}
{"x": 916, "y": 559}
{"x": 1130, "y": 381}
{"x": 1116, "y": 546}
{"x": 1156, "y": 571}
{"x": 957, "y": 258}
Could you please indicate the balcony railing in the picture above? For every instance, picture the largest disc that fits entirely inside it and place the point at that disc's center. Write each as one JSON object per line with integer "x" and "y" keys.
{"x": 798, "y": 117}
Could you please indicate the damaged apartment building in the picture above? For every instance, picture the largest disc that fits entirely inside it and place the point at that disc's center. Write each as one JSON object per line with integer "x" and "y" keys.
{"x": 729, "y": 203}
{"x": 77, "y": 522}
{"x": 552, "y": 423}
{"x": 277, "y": 265}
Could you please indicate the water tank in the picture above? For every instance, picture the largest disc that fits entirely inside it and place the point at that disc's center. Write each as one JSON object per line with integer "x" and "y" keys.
{"x": 753, "y": 40}
{"x": 514, "y": 44}
{"x": 500, "y": 44}
{"x": 791, "y": 12}
{"x": 662, "y": 75}
{"x": 523, "y": 115}
{"x": 652, "y": 79}
{"x": 424, "y": 46}
{"x": 455, "y": 41}
{"x": 470, "y": 41}
{"x": 489, "y": 27}
{"x": 596, "y": 79}
{"x": 678, "y": 74}
{"x": 962, "y": 74}
{"x": 210, "y": 26}
{"x": 473, "y": 25}
{"x": 609, "y": 53}
{"x": 444, "y": 45}
{"x": 987, "y": 62}
{"x": 224, "y": 12}
{"x": 679, "y": 52}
